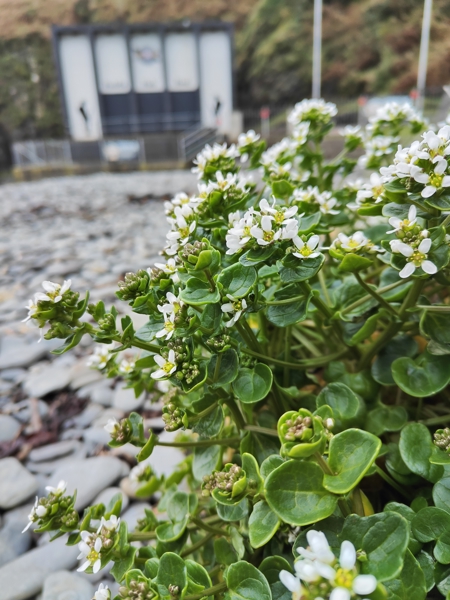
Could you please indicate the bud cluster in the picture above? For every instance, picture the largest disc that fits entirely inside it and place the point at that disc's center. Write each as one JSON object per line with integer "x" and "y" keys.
{"x": 134, "y": 285}
{"x": 190, "y": 252}
{"x": 173, "y": 417}
{"x": 223, "y": 481}
{"x": 55, "y": 511}
{"x": 137, "y": 590}
{"x": 188, "y": 372}
{"x": 220, "y": 343}
{"x": 120, "y": 431}
{"x": 299, "y": 429}
{"x": 442, "y": 439}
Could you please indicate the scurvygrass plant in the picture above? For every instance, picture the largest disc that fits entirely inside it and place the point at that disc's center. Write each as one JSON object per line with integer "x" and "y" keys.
{"x": 298, "y": 336}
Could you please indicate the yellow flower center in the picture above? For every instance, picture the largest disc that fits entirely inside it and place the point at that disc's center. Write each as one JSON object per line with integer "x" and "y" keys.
{"x": 268, "y": 236}
{"x": 184, "y": 232}
{"x": 237, "y": 305}
{"x": 436, "y": 180}
{"x": 305, "y": 251}
{"x": 344, "y": 578}
{"x": 279, "y": 217}
{"x": 417, "y": 258}
{"x": 93, "y": 556}
{"x": 168, "y": 367}
{"x": 169, "y": 326}
{"x": 377, "y": 191}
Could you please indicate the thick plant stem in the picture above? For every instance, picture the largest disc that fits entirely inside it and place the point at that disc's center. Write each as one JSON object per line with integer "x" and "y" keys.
{"x": 357, "y": 502}
{"x": 262, "y": 430}
{"x": 202, "y": 525}
{"x": 437, "y": 420}
{"x": 301, "y": 364}
{"x": 392, "y": 329}
{"x": 236, "y": 413}
{"x": 388, "y": 479}
{"x": 196, "y": 546}
{"x": 361, "y": 301}
{"x": 376, "y": 295}
{"x": 215, "y": 589}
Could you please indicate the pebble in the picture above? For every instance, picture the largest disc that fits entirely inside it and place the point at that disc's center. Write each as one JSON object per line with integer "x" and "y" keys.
{"x": 24, "y": 576}
{"x": 53, "y": 450}
{"x": 17, "y": 484}
{"x": 64, "y": 585}
{"x": 22, "y": 355}
{"x": 89, "y": 477}
{"x": 14, "y": 375}
{"x": 99, "y": 392}
{"x": 135, "y": 512}
{"x": 9, "y": 428}
{"x": 82, "y": 375}
{"x": 96, "y": 436}
{"x": 85, "y": 418}
{"x": 106, "y": 415}
{"x": 47, "y": 379}
{"x": 125, "y": 400}
{"x": 13, "y": 542}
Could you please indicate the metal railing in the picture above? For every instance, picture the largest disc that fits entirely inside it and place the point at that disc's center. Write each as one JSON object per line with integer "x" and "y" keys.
{"x": 193, "y": 141}
{"x": 42, "y": 152}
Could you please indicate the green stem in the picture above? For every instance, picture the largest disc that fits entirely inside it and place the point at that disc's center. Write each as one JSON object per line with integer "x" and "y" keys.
{"x": 142, "y": 345}
{"x": 202, "y": 525}
{"x": 236, "y": 413}
{"x": 217, "y": 368}
{"x": 446, "y": 221}
{"x": 287, "y": 343}
{"x": 301, "y": 364}
{"x": 215, "y": 589}
{"x": 306, "y": 343}
{"x": 243, "y": 333}
{"x": 263, "y": 430}
{"x": 196, "y": 546}
{"x": 209, "y": 277}
{"x": 357, "y": 503}
{"x": 342, "y": 502}
{"x": 201, "y": 443}
{"x": 375, "y": 295}
{"x": 391, "y": 482}
{"x": 251, "y": 334}
{"x": 436, "y": 420}
{"x": 285, "y": 301}
{"x": 382, "y": 290}
{"x": 434, "y": 308}
{"x": 203, "y": 413}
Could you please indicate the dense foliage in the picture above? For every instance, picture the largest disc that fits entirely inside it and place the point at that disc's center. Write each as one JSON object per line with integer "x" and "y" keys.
{"x": 298, "y": 335}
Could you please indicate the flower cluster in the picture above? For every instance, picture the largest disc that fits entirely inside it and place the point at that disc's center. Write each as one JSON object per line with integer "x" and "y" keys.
{"x": 215, "y": 158}
{"x": 94, "y": 547}
{"x": 312, "y": 111}
{"x": 55, "y": 511}
{"x": 319, "y": 574}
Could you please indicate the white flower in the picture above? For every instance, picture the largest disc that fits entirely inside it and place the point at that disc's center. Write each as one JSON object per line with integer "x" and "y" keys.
{"x": 433, "y": 181}
{"x": 326, "y": 204}
{"x": 181, "y": 230}
{"x": 53, "y": 291}
{"x": 212, "y": 153}
{"x": 172, "y": 306}
{"x": 239, "y": 234}
{"x": 223, "y": 183}
{"x": 170, "y": 268}
{"x": 356, "y": 241}
{"x": 90, "y": 551}
{"x": 126, "y": 366}
{"x": 58, "y": 490}
{"x": 111, "y": 524}
{"x": 310, "y": 194}
{"x": 372, "y": 189}
{"x": 312, "y": 110}
{"x": 319, "y": 567}
{"x": 300, "y": 133}
{"x": 103, "y": 593}
{"x": 401, "y": 224}
{"x": 169, "y": 327}
{"x": 32, "y": 310}
{"x": 352, "y": 131}
{"x": 111, "y": 426}
{"x": 306, "y": 250}
{"x": 264, "y": 234}
{"x": 37, "y": 512}
{"x": 280, "y": 215}
{"x": 236, "y": 307}
{"x": 166, "y": 367}
{"x": 245, "y": 139}
{"x": 416, "y": 257}
{"x": 102, "y": 354}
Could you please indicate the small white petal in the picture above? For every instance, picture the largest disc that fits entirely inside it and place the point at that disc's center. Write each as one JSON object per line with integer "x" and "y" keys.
{"x": 429, "y": 267}
{"x": 407, "y": 270}
{"x": 428, "y": 191}
{"x": 347, "y": 557}
{"x": 364, "y": 584}
{"x": 424, "y": 246}
{"x": 340, "y": 593}
{"x": 289, "y": 581}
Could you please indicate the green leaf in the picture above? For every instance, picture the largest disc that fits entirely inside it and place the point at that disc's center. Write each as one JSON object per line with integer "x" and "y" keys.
{"x": 172, "y": 571}
{"x": 351, "y": 454}
{"x": 228, "y": 368}
{"x": 197, "y": 576}
{"x": 262, "y": 525}
{"x": 400, "y": 346}
{"x": 430, "y": 524}
{"x": 256, "y": 255}
{"x": 210, "y": 425}
{"x": 122, "y": 565}
{"x": 416, "y": 448}
{"x": 426, "y": 563}
{"x": 253, "y": 385}
{"x": 260, "y": 445}
{"x": 386, "y": 418}
{"x": 251, "y": 468}
{"x": 238, "y": 280}
{"x": 210, "y": 318}
{"x": 352, "y": 263}
{"x": 295, "y": 492}
{"x": 345, "y": 404}
{"x": 206, "y": 460}
{"x": 224, "y": 551}
{"x": 441, "y": 492}
{"x": 383, "y": 537}
{"x": 308, "y": 223}
{"x": 270, "y": 568}
{"x": 358, "y": 331}
{"x": 282, "y": 188}
{"x": 410, "y": 585}
{"x": 426, "y": 376}
{"x": 436, "y": 326}
{"x": 146, "y": 451}
{"x": 148, "y": 331}
{"x": 270, "y": 463}
{"x": 199, "y": 292}
{"x": 233, "y": 513}
{"x": 246, "y": 582}
{"x": 283, "y": 315}
{"x": 294, "y": 269}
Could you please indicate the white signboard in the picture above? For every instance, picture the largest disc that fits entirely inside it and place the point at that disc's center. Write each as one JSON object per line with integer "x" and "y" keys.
{"x": 181, "y": 60}
{"x": 216, "y": 91}
{"x": 147, "y": 63}
{"x": 80, "y": 89}
{"x": 111, "y": 54}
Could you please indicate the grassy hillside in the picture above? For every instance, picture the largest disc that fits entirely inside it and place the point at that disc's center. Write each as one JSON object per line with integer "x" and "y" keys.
{"x": 369, "y": 46}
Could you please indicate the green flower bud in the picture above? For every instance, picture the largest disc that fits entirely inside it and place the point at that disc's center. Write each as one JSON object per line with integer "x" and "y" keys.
{"x": 442, "y": 439}
{"x": 173, "y": 417}
{"x": 229, "y": 484}
{"x": 134, "y": 285}
{"x": 303, "y": 433}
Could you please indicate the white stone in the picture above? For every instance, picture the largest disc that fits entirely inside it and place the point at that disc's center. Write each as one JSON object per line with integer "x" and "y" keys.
{"x": 13, "y": 542}
{"x": 64, "y": 585}
{"x": 17, "y": 484}
{"x": 9, "y": 428}
{"x": 125, "y": 400}
{"x": 46, "y": 380}
{"x": 135, "y": 512}
{"x": 107, "y": 494}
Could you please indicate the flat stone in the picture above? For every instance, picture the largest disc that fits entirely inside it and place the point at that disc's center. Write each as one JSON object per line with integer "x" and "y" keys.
{"x": 55, "y": 450}
{"x": 46, "y": 380}
{"x": 13, "y": 542}
{"x": 14, "y": 375}
{"x": 106, "y": 415}
{"x": 24, "y": 576}
{"x": 9, "y": 428}
{"x": 164, "y": 459}
{"x": 106, "y": 495}
{"x": 64, "y": 585}
{"x": 81, "y": 375}
{"x": 17, "y": 484}
{"x": 22, "y": 410}
{"x": 99, "y": 392}
{"x": 125, "y": 400}
{"x": 96, "y": 436}
{"x": 85, "y": 417}
{"x": 89, "y": 477}
{"x": 22, "y": 356}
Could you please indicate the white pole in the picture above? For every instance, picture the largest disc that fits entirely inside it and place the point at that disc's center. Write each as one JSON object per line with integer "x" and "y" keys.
{"x": 317, "y": 49}
{"x": 423, "y": 56}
